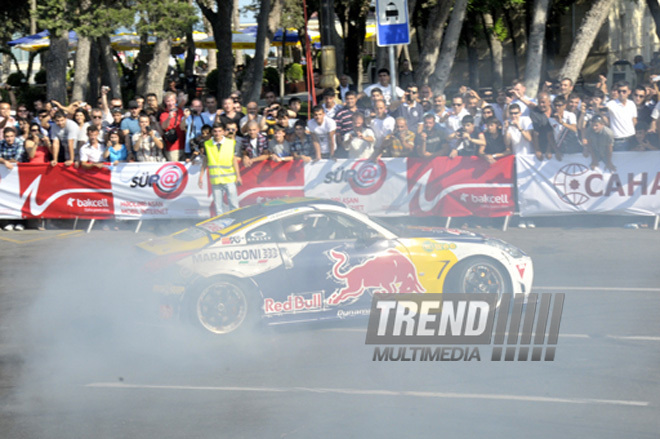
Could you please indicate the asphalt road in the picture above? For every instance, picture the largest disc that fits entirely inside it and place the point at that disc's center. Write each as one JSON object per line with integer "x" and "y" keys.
{"x": 77, "y": 360}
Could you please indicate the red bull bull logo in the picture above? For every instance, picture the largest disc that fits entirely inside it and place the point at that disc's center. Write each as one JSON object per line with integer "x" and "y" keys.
{"x": 387, "y": 272}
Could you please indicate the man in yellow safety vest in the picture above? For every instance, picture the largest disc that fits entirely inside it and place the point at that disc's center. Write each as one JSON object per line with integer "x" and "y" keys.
{"x": 222, "y": 163}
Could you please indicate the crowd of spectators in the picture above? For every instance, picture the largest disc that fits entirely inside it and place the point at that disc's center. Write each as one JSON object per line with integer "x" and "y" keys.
{"x": 411, "y": 122}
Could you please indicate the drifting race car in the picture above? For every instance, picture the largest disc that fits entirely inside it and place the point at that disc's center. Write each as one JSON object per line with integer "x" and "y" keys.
{"x": 298, "y": 260}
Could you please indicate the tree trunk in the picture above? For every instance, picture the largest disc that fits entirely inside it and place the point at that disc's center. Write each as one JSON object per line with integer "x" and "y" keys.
{"x": 450, "y": 45}
{"x": 514, "y": 43}
{"x": 535, "y": 47}
{"x": 56, "y": 61}
{"x": 432, "y": 39}
{"x": 338, "y": 42}
{"x": 236, "y": 26}
{"x": 495, "y": 46}
{"x": 109, "y": 66}
{"x": 212, "y": 53}
{"x": 255, "y": 72}
{"x": 80, "y": 80}
{"x": 94, "y": 75}
{"x": 584, "y": 39}
{"x": 221, "y": 23}
{"x": 144, "y": 57}
{"x": 470, "y": 38}
{"x": 654, "y": 8}
{"x": 158, "y": 66}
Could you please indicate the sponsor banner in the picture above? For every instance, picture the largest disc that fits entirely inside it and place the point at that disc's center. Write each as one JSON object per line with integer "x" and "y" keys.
{"x": 571, "y": 186}
{"x": 159, "y": 190}
{"x": 375, "y": 188}
{"x": 460, "y": 187}
{"x": 10, "y": 199}
{"x": 269, "y": 180}
{"x": 64, "y": 192}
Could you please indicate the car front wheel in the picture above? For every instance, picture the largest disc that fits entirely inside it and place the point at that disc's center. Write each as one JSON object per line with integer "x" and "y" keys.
{"x": 482, "y": 275}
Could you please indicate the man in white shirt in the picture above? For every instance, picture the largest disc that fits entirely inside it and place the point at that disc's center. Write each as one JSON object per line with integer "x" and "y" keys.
{"x": 458, "y": 113}
{"x": 518, "y": 131}
{"x": 91, "y": 153}
{"x": 63, "y": 135}
{"x": 382, "y": 125}
{"x": 322, "y": 129}
{"x": 623, "y": 118}
{"x": 384, "y": 85}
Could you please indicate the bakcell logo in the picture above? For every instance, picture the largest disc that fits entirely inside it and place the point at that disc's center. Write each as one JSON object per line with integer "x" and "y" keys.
{"x": 168, "y": 182}
{"x": 485, "y": 199}
{"x": 388, "y": 272}
{"x": 576, "y": 184}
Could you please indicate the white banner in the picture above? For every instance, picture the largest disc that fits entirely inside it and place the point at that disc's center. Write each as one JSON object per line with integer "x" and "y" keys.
{"x": 10, "y": 199}
{"x": 554, "y": 187}
{"x": 159, "y": 190}
{"x": 376, "y": 188}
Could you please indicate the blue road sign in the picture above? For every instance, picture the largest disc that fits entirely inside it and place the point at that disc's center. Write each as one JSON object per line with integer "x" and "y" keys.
{"x": 392, "y": 22}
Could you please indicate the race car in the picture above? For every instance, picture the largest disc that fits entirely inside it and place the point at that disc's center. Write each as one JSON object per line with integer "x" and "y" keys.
{"x": 298, "y": 260}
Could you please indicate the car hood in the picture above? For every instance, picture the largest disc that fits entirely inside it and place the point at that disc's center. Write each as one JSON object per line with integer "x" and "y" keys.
{"x": 440, "y": 233}
{"x": 184, "y": 241}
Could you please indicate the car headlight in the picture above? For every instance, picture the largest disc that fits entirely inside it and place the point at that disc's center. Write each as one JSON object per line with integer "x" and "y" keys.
{"x": 511, "y": 250}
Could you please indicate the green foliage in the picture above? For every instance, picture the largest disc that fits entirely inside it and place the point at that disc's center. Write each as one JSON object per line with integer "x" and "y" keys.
{"x": 212, "y": 82}
{"x": 15, "y": 18}
{"x": 500, "y": 30}
{"x": 165, "y": 18}
{"x": 40, "y": 77}
{"x": 16, "y": 79}
{"x": 294, "y": 72}
{"x": 271, "y": 78}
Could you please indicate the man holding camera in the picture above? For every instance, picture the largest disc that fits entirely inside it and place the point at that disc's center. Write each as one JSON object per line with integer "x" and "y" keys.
{"x": 192, "y": 123}
{"x": 410, "y": 109}
{"x": 147, "y": 144}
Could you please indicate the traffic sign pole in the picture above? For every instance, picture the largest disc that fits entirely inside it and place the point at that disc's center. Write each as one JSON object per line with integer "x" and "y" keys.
{"x": 393, "y": 75}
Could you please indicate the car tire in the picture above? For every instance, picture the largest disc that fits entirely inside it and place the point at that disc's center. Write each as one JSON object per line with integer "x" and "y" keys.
{"x": 482, "y": 275}
{"x": 223, "y": 306}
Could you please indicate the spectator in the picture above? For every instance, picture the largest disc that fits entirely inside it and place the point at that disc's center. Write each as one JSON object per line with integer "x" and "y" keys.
{"x": 518, "y": 131}
{"x": 359, "y": 141}
{"x": 270, "y": 97}
{"x": 564, "y": 126}
{"x": 115, "y": 151}
{"x": 130, "y": 124}
{"x": 117, "y": 117}
{"x": 473, "y": 107}
{"x": 302, "y": 147}
{"x": 440, "y": 111}
{"x": 495, "y": 147}
{"x": 543, "y": 136}
{"x": 486, "y": 112}
{"x": 384, "y": 86}
{"x": 623, "y": 117}
{"x": 344, "y": 120}
{"x": 210, "y": 108}
{"x": 229, "y": 113}
{"x": 643, "y": 110}
{"x": 574, "y": 105}
{"x": 518, "y": 91}
{"x": 192, "y": 123}
{"x": 23, "y": 128}
{"x": 197, "y": 144}
{"x": 593, "y": 106}
{"x": 432, "y": 140}
{"x": 170, "y": 122}
{"x": 406, "y": 76}
{"x": 375, "y": 96}
{"x": 401, "y": 143}
{"x": 148, "y": 146}
{"x": 467, "y": 140}
{"x": 643, "y": 140}
{"x": 283, "y": 120}
{"x": 45, "y": 122}
{"x": 410, "y": 109}
{"x": 22, "y": 112}
{"x": 140, "y": 102}
{"x": 426, "y": 97}
{"x": 92, "y": 152}
{"x": 322, "y": 130}
{"x": 294, "y": 109}
{"x": 279, "y": 147}
{"x": 565, "y": 88}
{"x": 454, "y": 122}
{"x": 64, "y": 135}
{"x": 152, "y": 108}
{"x": 37, "y": 145}
{"x": 329, "y": 105}
{"x": 345, "y": 86}
{"x": 600, "y": 143}
{"x": 231, "y": 131}
{"x": 12, "y": 152}
{"x": 640, "y": 68}
{"x": 255, "y": 145}
{"x": 382, "y": 125}
{"x": 223, "y": 164}
{"x": 252, "y": 114}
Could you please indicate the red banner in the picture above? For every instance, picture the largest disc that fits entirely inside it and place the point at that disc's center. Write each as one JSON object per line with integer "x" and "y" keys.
{"x": 461, "y": 187}
{"x": 269, "y": 180}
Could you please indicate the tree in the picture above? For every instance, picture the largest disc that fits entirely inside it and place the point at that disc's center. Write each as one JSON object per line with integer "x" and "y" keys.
{"x": 54, "y": 15}
{"x": 654, "y": 8}
{"x": 433, "y": 32}
{"x": 253, "y": 78}
{"x": 586, "y": 35}
{"x": 221, "y": 23}
{"x": 535, "y": 47}
{"x": 495, "y": 33}
{"x": 352, "y": 15}
{"x": 449, "y": 45}
{"x": 15, "y": 20}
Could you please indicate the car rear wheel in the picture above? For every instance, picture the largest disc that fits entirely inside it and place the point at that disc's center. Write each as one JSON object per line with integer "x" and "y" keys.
{"x": 482, "y": 275}
{"x": 222, "y": 307}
